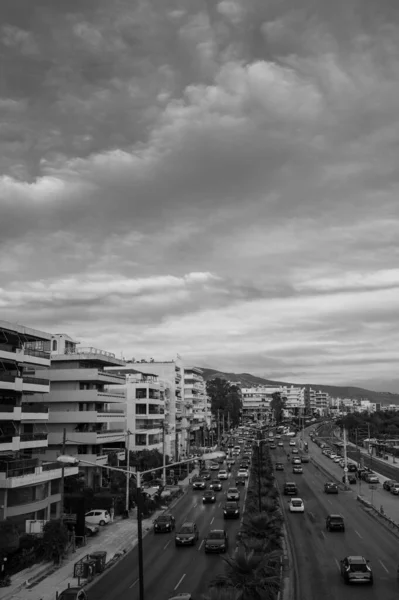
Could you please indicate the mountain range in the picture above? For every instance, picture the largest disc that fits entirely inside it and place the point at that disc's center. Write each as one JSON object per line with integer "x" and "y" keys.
{"x": 335, "y": 391}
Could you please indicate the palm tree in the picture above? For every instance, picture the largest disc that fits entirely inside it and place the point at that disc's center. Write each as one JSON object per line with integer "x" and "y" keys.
{"x": 264, "y": 527}
{"x": 256, "y": 578}
{"x": 219, "y": 593}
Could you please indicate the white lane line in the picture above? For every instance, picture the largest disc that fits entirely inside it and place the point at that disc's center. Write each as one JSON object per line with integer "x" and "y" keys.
{"x": 311, "y": 514}
{"x": 200, "y": 546}
{"x": 357, "y": 533}
{"x": 338, "y": 565}
{"x": 134, "y": 583}
{"x": 323, "y": 534}
{"x": 220, "y": 504}
{"x": 329, "y": 501}
{"x": 195, "y": 505}
{"x": 383, "y": 566}
{"x": 213, "y": 518}
{"x": 180, "y": 580}
{"x": 166, "y": 545}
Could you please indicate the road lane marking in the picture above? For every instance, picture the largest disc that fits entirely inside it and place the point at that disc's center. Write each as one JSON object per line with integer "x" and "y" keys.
{"x": 383, "y": 566}
{"x": 338, "y": 565}
{"x": 200, "y": 546}
{"x": 323, "y": 534}
{"x": 195, "y": 505}
{"x": 357, "y": 533}
{"x": 311, "y": 514}
{"x": 167, "y": 545}
{"x": 180, "y": 580}
{"x": 213, "y": 518}
{"x": 220, "y": 504}
{"x": 134, "y": 583}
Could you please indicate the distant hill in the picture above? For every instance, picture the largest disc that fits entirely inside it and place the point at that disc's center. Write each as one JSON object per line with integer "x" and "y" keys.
{"x": 248, "y": 380}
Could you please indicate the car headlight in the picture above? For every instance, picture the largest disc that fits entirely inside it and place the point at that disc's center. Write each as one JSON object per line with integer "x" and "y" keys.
{"x": 190, "y": 538}
{"x": 225, "y": 512}
{"x": 236, "y": 511}
{"x": 178, "y": 539}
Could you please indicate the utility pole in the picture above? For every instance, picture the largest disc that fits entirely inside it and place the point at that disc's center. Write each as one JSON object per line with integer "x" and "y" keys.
{"x": 128, "y": 469}
{"x": 164, "y": 428}
{"x": 345, "y": 459}
{"x": 63, "y": 477}
{"x": 228, "y": 421}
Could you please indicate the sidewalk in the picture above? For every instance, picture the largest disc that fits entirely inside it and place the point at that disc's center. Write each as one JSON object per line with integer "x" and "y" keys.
{"x": 41, "y": 581}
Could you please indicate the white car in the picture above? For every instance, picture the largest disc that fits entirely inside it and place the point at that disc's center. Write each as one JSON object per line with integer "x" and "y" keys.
{"x": 97, "y": 517}
{"x": 232, "y": 494}
{"x": 332, "y": 456}
{"x": 223, "y": 474}
{"x": 297, "y": 505}
{"x": 243, "y": 473}
{"x": 292, "y": 443}
{"x": 337, "y": 459}
{"x": 280, "y": 444}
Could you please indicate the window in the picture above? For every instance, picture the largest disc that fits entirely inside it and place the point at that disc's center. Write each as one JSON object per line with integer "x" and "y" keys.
{"x": 55, "y": 486}
{"x": 141, "y": 393}
{"x": 55, "y": 345}
{"x": 141, "y": 439}
{"x": 141, "y": 409}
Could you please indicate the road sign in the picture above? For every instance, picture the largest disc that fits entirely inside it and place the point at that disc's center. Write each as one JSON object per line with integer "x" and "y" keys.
{"x": 345, "y": 469}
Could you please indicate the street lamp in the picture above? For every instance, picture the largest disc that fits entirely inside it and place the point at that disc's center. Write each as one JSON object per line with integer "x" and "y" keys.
{"x": 72, "y": 460}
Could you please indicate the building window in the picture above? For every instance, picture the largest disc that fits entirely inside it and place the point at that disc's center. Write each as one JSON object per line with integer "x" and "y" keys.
{"x": 141, "y": 409}
{"x": 55, "y": 486}
{"x": 141, "y": 439}
{"x": 141, "y": 393}
{"x": 53, "y": 510}
{"x": 55, "y": 345}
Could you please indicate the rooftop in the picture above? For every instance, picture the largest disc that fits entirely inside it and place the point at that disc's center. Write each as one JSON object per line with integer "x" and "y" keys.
{"x": 28, "y": 332}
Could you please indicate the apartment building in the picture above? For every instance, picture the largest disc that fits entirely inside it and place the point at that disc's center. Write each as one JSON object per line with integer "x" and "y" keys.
{"x": 197, "y": 408}
{"x": 147, "y": 409}
{"x": 172, "y": 374}
{"x": 294, "y": 400}
{"x": 29, "y": 486}
{"x": 256, "y": 401}
{"x": 92, "y": 417}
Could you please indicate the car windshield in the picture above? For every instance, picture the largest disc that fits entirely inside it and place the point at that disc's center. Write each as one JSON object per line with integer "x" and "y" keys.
{"x": 208, "y": 494}
{"x": 186, "y": 529}
{"x": 233, "y": 491}
{"x": 231, "y": 505}
{"x": 296, "y": 503}
{"x": 336, "y": 519}
{"x": 215, "y": 481}
{"x": 164, "y": 518}
{"x": 216, "y": 535}
{"x": 359, "y": 567}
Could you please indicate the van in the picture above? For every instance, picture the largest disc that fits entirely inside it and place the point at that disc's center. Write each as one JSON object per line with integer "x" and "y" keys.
{"x": 290, "y": 489}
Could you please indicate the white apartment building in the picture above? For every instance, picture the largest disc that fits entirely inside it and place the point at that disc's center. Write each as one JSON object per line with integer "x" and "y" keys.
{"x": 171, "y": 373}
{"x": 256, "y": 401}
{"x": 322, "y": 403}
{"x": 147, "y": 409}
{"x": 29, "y": 487}
{"x": 294, "y": 400}
{"x": 197, "y": 416}
{"x": 79, "y": 403}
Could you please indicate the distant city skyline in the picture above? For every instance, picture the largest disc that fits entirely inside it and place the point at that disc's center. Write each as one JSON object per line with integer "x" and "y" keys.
{"x": 217, "y": 180}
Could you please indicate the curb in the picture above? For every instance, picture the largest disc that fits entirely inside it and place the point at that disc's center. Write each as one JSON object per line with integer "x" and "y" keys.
{"x": 47, "y": 570}
{"x": 290, "y": 583}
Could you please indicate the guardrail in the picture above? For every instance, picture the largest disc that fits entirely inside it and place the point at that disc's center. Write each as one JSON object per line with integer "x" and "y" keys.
{"x": 380, "y": 513}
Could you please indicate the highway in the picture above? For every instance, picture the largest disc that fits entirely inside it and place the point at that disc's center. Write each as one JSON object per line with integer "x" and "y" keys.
{"x": 169, "y": 569}
{"x": 318, "y": 552}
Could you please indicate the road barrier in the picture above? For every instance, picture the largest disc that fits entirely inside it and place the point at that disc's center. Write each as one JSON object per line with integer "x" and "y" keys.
{"x": 380, "y": 515}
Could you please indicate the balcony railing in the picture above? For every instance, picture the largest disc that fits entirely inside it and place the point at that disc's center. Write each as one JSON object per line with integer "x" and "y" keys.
{"x": 34, "y": 408}
{"x": 35, "y": 380}
{"x": 154, "y": 425}
{"x": 33, "y": 437}
{"x": 6, "y": 408}
{"x": 7, "y": 439}
{"x": 109, "y": 412}
{"x": 7, "y": 377}
{"x": 38, "y": 353}
{"x": 51, "y": 466}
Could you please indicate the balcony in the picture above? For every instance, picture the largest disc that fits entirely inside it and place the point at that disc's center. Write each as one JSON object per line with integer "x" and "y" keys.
{"x": 35, "y": 384}
{"x": 10, "y": 382}
{"x": 33, "y": 440}
{"x": 34, "y": 412}
{"x": 8, "y": 412}
{"x": 88, "y": 437}
{"x": 14, "y": 477}
{"x": 151, "y": 426}
{"x": 85, "y": 375}
{"x": 99, "y": 459}
{"x": 9, "y": 443}
{"x": 87, "y": 416}
{"x": 87, "y": 396}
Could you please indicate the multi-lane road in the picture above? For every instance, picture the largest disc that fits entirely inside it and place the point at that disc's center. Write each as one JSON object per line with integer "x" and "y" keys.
{"x": 318, "y": 552}
{"x": 169, "y": 569}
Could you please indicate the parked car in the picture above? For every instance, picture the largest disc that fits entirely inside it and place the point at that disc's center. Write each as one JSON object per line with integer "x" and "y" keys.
{"x": 356, "y": 569}
{"x": 395, "y": 489}
{"x": 371, "y": 478}
{"x": 164, "y": 524}
{"x": 91, "y": 529}
{"x": 187, "y": 534}
{"x": 216, "y": 541}
{"x": 335, "y": 523}
{"x": 296, "y": 505}
{"x": 73, "y": 593}
{"x": 351, "y": 478}
{"x": 388, "y": 483}
{"x": 97, "y": 517}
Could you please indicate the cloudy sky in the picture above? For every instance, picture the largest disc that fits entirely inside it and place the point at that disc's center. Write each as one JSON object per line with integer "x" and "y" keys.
{"x": 214, "y": 179}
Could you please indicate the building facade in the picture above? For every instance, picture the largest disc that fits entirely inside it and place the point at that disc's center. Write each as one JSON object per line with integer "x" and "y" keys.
{"x": 197, "y": 409}
{"x": 256, "y": 401}
{"x": 85, "y": 419}
{"x": 30, "y": 486}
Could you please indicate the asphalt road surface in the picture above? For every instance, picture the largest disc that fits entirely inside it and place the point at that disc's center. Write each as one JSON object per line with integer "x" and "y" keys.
{"x": 318, "y": 552}
{"x": 167, "y": 568}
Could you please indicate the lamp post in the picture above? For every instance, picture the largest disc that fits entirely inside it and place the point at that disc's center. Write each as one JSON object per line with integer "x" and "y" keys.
{"x": 72, "y": 460}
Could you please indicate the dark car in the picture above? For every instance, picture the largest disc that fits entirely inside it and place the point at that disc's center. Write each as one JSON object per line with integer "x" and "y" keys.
{"x": 164, "y": 524}
{"x": 199, "y": 484}
{"x": 209, "y": 497}
{"x": 335, "y": 523}
{"x": 352, "y": 468}
{"x": 330, "y": 488}
{"x": 305, "y": 458}
{"x": 279, "y": 466}
{"x": 205, "y": 475}
{"x": 273, "y": 447}
{"x": 216, "y": 485}
{"x": 351, "y": 478}
{"x": 290, "y": 489}
{"x": 187, "y": 534}
{"x": 387, "y": 485}
{"x": 231, "y": 510}
{"x": 356, "y": 569}
{"x": 217, "y": 541}
{"x": 240, "y": 480}
{"x": 73, "y": 593}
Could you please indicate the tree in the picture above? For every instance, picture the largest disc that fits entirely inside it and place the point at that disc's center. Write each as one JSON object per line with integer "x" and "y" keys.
{"x": 9, "y": 537}
{"x": 225, "y": 398}
{"x": 277, "y": 405}
{"x": 55, "y": 540}
{"x": 264, "y": 527}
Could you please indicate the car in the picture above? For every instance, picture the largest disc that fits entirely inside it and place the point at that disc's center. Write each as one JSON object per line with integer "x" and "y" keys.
{"x": 73, "y": 593}
{"x": 240, "y": 480}
{"x": 290, "y": 488}
{"x": 295, "y": 451}
{"x": 280, "y": 444}
{"x": 215, "y": 485}
{"x": 199, "y": 485}
{"x": 331, "y": 488}
{"x": 97, "y": 517}
{"x": 216, "y": 541}
{"x": 187, "y": 534}
{"x": 335, "y": 523}
{"x": 91, "y": 529}
{"x": 243, "y": 473}
{"x": 164, "y": 524}
{"x": 297, "y": 469}
{"x": 371, "y": 478}
{"x": 305, "y": 458}
{"x": 337, "y": 459}
{"x": 356, "y": 569}
{"x": 296, "y": 505}
{"x": 332, "y": 455}
{"x": 342, "y": 463}
{"x": 230, "y": 461}
{"x": 388, "y": 483}
{"x": 214, "y": 467}
{"x": 351, "y": 478}
{"x": 292, "y": 443}
{"x": 206, "y": 476}
{"x": 352, "y": 468}
{"x": 279, "y": 466}
{"x": 273, "y": 447}
{"x": 395, "y": 489}
{"x": 296, "y": 461}
{"x": 223, "y": 474}
{"x": 209, "y": 497}
{"x": 233, "y": 494}
{"x": 231, "y": 510}
{"x": 236, "y": 452}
